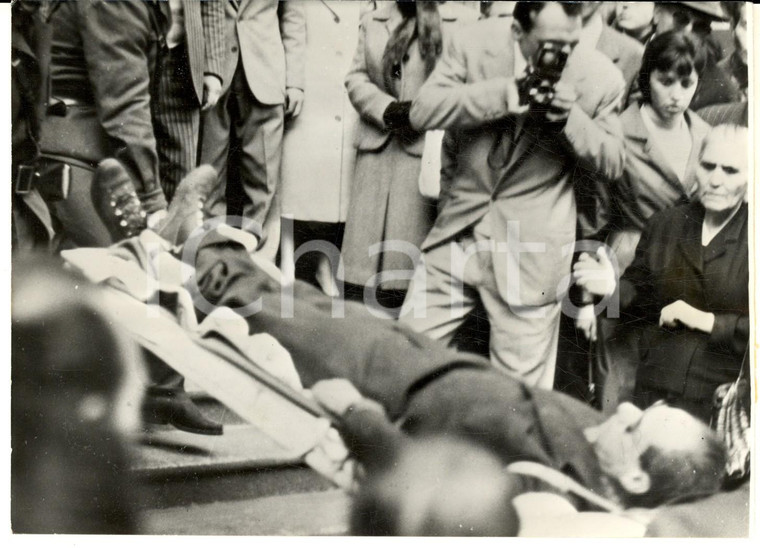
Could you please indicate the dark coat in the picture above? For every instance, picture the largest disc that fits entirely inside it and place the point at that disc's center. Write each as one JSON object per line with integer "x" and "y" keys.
{"x": 671, "y": 264}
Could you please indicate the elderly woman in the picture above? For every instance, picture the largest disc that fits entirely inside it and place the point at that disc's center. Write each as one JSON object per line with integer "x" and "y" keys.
{"x": 399, "y": 45}
{"x": 662, "y": 141}
{"x": 688, "y": 283}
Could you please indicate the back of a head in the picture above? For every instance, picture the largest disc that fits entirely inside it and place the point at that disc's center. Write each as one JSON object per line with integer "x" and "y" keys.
{"x": 69, "y": 464}
{"x": 439, "y": 486}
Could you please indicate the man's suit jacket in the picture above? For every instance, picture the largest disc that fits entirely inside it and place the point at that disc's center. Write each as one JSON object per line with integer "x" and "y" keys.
{"x": 204, "y": 36}
{"x": 672, "y": 264}
{"x": 649, "y": 183}
{"x": 624, "y": 51}
{"x": 509, "y": 165}
{"x": 364, "y": 81}
{"x": 270, "y": 38}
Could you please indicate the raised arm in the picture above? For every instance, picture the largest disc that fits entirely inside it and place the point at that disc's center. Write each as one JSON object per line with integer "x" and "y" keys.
{"x": 448, "y": 99}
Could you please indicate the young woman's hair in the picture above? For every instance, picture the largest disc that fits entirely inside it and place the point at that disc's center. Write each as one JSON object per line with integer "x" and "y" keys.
{"x": 674, "y": 51}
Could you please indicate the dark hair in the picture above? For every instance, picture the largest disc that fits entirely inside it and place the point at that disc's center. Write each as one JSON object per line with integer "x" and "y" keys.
{"x": 526, "y": 12}
{"x": 671, "y": 50}
{"x": 679, "y": 476}
{"x": 734, "y": 11}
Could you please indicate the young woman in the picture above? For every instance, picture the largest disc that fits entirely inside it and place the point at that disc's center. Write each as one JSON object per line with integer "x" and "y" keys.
{"x": 399, "y": 45}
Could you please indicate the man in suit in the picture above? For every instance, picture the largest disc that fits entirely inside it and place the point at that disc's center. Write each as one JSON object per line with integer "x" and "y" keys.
{"x": 263, "y": 77}
{"x": 190, "y": 80}
{"x": 508, "y": 190}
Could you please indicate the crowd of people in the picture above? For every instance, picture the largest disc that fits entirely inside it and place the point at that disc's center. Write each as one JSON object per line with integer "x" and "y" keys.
{"x": 589, "y": 206}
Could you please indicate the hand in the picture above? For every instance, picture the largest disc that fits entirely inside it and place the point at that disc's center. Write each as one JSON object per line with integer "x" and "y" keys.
{"x": 586, "y": 322}
{"x": 564, "y": 98}
{"x": 212, "y": 90}
{"x": 682, "y": 313}
{"x": 293, "y": 102}
{"x": 513, "y": 99}
{"x": 155, "y": 218}
{"x": 595, "y": 274}
{"x": 336, "y": 395}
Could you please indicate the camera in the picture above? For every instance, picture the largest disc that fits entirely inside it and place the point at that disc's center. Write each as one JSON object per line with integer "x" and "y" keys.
{"x": 537, "y": 88}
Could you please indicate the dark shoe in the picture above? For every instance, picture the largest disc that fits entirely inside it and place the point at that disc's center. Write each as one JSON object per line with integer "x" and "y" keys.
{"x": 179, "y": 411}
{"x": 116, "y": 201}
{"x": 185, "y": 212}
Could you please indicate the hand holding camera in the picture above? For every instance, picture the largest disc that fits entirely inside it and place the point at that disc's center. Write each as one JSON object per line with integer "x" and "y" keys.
{"x": 541, "y": 88}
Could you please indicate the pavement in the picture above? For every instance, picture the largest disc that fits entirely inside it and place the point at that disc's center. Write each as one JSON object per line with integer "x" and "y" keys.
{"x": 240, "y": 483}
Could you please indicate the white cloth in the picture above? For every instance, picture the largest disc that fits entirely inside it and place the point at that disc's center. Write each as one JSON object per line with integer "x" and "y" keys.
{"x": 430, "y": 168}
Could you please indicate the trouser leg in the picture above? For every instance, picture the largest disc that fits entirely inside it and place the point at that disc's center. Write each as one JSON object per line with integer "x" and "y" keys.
{"x": 176, "y": 120}
{"x": 438, "y": 298}
{"x": 523, "y": 338}
{"x": 215, "y": 148}
{"x": 259, "y": 130}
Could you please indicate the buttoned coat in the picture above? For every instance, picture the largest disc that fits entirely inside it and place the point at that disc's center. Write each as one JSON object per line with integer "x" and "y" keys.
{"x": 385, "y": 201}
{"x": 509, "y": 166}
{"x": 318, "y": 147}
{"x": 270, "y": 37}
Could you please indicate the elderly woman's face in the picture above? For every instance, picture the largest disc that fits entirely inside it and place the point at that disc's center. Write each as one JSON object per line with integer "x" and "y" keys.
{"x": 670, "y": 93}
{"x": 722, "y": 174}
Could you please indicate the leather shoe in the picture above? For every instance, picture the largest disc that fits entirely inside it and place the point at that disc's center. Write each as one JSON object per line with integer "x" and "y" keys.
{"x": 116, "y": 201}
{"x": 179, "y": 411}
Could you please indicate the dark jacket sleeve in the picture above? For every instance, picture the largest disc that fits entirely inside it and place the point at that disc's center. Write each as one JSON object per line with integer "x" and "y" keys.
{"x": 730, "y": 332}
{"x": 212, "y": 17}
{"x": 370, "y": 437}
{"x": 117, "y": 39}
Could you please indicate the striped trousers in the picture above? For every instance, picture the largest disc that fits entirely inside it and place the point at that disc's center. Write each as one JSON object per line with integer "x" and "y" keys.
{"x": 176, "y": 119}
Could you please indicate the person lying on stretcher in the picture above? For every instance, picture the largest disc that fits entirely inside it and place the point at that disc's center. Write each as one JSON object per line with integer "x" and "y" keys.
{"x": 635, "y": 458}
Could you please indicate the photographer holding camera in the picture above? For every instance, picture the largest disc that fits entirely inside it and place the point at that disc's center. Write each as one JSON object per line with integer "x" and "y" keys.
{"x": 508, "y": 169}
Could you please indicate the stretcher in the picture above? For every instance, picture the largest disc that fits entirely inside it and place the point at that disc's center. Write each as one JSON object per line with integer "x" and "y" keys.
{"x": 254, "y": 376}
